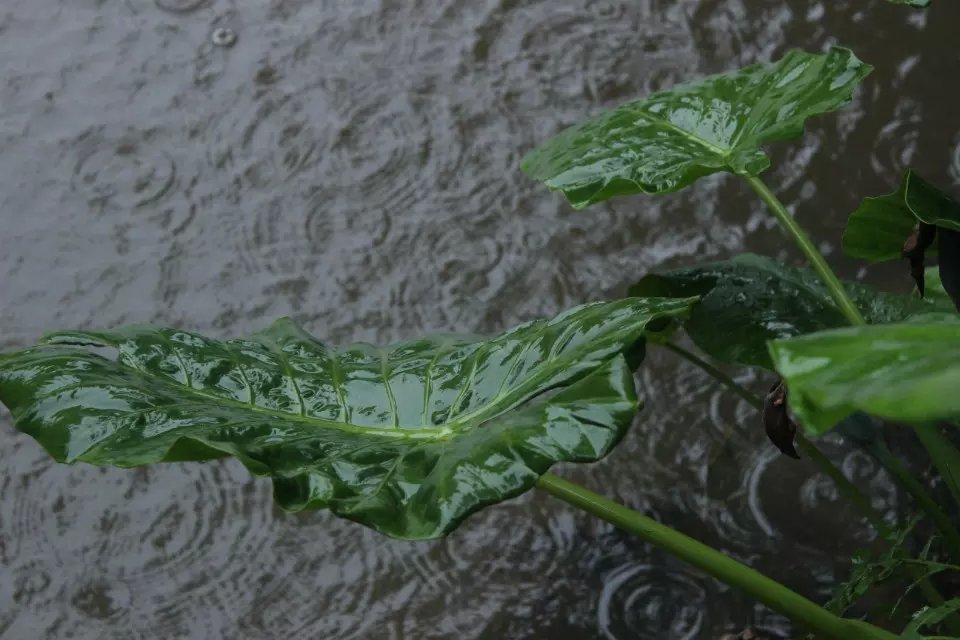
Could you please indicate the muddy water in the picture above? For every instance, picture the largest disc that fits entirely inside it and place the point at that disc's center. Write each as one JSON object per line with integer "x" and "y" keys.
{"x": 354, "y": 165}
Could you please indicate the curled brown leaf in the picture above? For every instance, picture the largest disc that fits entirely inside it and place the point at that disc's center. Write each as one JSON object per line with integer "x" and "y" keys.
{"x": 780, "y": 429}
{"x": 914, "y": 249}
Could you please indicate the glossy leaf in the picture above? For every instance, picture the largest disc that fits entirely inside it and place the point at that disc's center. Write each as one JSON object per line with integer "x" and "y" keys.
{"x": 907, "y": 372}
{"x": 408, "y": 439}
{"x": 750, "y": 299}
{"x": 670, "y": 139}
{"x": 920, "y": 4}
{"x": 876, "y": 231}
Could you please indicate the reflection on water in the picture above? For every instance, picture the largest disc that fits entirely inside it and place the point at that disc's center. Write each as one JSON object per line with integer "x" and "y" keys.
{"x": 354, "y": 165}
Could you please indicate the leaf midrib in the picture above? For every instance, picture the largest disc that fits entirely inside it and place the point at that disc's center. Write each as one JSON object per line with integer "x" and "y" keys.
{"x": 413, "y": 434}
{"x": 501, "y": 403}
{"x": 669, "y": 125}
{"x": 420, "y": 433}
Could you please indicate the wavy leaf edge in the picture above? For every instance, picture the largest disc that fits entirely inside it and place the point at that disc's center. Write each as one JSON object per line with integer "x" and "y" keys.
{"x": 673, "y": 145}
{"x": 565, "y": 393}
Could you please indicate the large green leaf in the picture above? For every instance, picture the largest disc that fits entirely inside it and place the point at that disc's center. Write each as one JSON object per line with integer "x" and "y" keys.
{"x": 877, "y": 230}
{"x": 907, "y": 372}
{"x": 751, "y": 299}
{"x": 671, "y": 138}
{"x": 408, "y": 439}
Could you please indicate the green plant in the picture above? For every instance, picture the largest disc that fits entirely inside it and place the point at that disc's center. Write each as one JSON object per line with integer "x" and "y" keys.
{"x": 412, "y": 438}
{"x": 408, "y": 440}
{"x": 756, "y": 312}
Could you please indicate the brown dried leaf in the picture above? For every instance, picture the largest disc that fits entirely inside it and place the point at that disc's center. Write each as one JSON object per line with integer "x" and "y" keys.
{"x": 776, "y": 421}
{"x": 914, "y": 249}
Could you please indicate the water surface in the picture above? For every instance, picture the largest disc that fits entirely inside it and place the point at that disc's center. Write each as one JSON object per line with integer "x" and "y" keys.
{"x": 354, "y": 165}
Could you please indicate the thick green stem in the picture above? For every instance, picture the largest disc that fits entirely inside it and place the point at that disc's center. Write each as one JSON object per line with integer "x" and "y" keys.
{"x": 802, "y": 611}
{"x": 817, "y": 261}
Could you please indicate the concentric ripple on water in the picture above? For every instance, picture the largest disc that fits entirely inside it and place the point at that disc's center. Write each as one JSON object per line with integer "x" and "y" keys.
{"x": 355, "y": 165}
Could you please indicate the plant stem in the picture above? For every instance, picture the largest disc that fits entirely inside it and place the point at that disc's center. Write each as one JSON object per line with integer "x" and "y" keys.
{"x": 846, "y": 488}
{"x": 716, "y": 374}
{"x": 861, "y": 502}
{"x": 770, "y": 592}
{"x": 930, "y": 438}
{"x": 951, "y": 538}
{"x": 944, "y": 456}
{"x": 817, "y": 261}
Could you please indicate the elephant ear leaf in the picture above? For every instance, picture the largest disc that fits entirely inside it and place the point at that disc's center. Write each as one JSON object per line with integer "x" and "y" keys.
{"x": 408, "y": 439}
{"x": 905, "y": 224}
{"x": 907, "y": 372}
{"x": 670, "y": 139}
{"x": 750, "y": 299}
{"x": 877, "y": 230}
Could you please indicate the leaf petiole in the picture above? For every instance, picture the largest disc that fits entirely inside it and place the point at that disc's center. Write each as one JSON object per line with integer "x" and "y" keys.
{"x": 729, "y": 571}
{"x": 817, "y": 261}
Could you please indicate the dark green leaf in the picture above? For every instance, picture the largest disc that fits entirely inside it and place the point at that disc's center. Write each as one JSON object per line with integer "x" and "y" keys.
{"x": 920, "y": 4}
{"x": 750, "y": 299}
{"x": 408, "y": 439}
{"x": 877, "y": 230}
{"x": 668, "y": 140}
{"x": 908, "y": 372}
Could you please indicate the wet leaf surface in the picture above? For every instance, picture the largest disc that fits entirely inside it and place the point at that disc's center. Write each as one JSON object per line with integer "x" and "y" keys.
{"x": 881, "y": 225}
{"x": 907, "y": 372}
{"x": 408, "y": 439}
{"x": 751, "y": 299}
{"x": 668, "y": 140}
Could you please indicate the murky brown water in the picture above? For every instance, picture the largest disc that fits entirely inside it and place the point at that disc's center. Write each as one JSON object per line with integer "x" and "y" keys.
{"x": 354, "y": 165}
